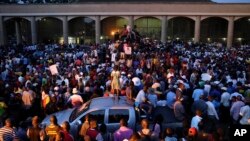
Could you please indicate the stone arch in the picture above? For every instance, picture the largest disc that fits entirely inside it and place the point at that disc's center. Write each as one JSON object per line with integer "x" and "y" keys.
{"x": 17, "y": 30}
{"x": 242, "y": 30}
{"x": 207, "y": 17}
{"x": 156, "y": 17}
{"x": 149, "y": 26}
{"x": 81, "y": 30}
{"x": 188, "y": 17}
{"x": 53, "y": 17}
{"x": 214, "y": 29}
{"x": 49, "y": 29}
{"x": 112, "y": 27}
{"x": 181, "y": 27}
{"x": 74, "y": 17}
{"x": 106, "y": 17}
{"x": 9, "y": 18}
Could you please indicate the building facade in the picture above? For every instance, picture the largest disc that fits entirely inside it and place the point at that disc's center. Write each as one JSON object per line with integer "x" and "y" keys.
{"x": 130, "y": 12}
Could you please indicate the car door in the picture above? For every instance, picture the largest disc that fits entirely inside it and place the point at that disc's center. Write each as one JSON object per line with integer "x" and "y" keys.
{"x": 114, "y": 116}
{"x": 99, "y": 115}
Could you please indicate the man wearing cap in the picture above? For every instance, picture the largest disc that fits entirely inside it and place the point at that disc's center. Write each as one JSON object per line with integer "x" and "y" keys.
{"x": 75, "y": 100}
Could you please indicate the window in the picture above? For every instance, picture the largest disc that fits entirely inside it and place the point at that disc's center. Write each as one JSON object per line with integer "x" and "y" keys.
{"x": 97, "y": 115}
{"x": 115, "y": 115}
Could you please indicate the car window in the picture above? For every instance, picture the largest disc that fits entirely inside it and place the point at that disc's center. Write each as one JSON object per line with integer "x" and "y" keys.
{"x": 79, "y": 111}
{"x": 116, "y": 114}
{"x": 98, "y": 115}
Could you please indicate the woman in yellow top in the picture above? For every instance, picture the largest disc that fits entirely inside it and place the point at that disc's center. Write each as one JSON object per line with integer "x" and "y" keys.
{"x": 115, "y": 80}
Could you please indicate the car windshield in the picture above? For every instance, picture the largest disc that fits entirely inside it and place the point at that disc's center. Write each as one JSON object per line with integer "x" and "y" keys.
{"x": 79, "y": 111}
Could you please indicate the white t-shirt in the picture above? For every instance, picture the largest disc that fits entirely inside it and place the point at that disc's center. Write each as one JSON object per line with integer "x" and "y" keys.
{"x": 245, "y": 113}
{"x": 225, "y": 99}
{"x": 211, "y": 110}
{"x": 140, "y": 97}
{"x": 195, "y": 122}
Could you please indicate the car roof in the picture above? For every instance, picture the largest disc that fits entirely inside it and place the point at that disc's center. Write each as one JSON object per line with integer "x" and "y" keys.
{"x": 106, "y": 102}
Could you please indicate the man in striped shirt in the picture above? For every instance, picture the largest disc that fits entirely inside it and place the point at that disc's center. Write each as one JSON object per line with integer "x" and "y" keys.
{"x": 7, "y": 133}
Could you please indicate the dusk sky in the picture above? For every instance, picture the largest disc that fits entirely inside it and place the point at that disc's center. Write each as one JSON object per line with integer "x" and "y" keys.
{"x": 232, "y": 1}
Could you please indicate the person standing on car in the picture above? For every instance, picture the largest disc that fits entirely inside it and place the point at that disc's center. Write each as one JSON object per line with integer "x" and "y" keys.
{"x": 123, "y": 132}
{"x": 115, "y": 80}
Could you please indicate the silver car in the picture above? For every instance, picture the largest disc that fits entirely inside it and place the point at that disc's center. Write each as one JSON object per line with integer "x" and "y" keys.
{"x": 105, "y": 109}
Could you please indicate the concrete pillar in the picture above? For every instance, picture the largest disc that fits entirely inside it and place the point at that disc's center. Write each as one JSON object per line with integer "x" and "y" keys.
{"x": 97, "y": 29}
{"x": 2, "y": 41}
{"x": 230, "y": 31}
{"x": 164, "y": 25}
{"x": 65, "y": 30}
{"x": 18, "y": 34}
{"x": 33, "y": 30}
{"x": 131, "y": 21}
{"x": 197, "y": 29}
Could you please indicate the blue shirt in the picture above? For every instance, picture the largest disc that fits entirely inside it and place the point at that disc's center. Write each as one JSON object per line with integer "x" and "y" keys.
{"x": 170, "y": 97}
{"x": 197, "y": 93}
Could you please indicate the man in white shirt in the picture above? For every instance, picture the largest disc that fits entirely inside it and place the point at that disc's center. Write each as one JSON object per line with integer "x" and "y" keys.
{"x": 245, "y": 113}
{"x": 212, "y": 114}
{"x": 235, "y": 109}
{"x": 196, "y": 120}
{"x": 141, "y": 101}
{"x": 225, "y": 97}
{"x": 141, "y": 96}
{"x": 225, "y": 105}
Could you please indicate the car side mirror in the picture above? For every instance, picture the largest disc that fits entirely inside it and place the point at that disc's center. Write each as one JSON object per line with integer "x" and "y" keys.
{"x": 78, "y": 122}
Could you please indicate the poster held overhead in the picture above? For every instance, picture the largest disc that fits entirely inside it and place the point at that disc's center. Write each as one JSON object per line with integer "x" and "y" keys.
{"x": 53, "y": 69}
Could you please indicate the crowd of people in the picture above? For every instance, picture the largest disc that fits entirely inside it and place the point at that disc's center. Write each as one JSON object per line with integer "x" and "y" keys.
{"x": 36, "y": 1}
{"x": 205, "y": 85}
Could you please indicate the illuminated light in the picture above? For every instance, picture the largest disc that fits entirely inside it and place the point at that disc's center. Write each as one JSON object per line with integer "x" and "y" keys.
{"x": 208, "y": 39}
{"x": 177, "y": 38}
{"x": 101, "y": 37}
{"x": 192, "y": 39}
{"x": 239, "y": 39}
{"x": 71, "y": 40}
{"x": 224, "y": 39}
{"x": 112, "y": 33}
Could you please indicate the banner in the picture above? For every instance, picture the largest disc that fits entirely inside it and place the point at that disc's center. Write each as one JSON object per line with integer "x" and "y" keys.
{"x": 53, "y": 69}
{"x": 128, "y": 50}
